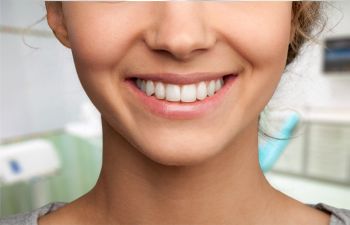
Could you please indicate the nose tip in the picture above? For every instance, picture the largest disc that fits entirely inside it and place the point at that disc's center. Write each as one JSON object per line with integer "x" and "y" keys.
{"x": 183, "y": 45}
{"x": 180, "y": 31}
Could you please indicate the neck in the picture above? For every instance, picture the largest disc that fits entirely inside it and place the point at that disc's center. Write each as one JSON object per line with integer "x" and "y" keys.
{"x": 132, "y": 189}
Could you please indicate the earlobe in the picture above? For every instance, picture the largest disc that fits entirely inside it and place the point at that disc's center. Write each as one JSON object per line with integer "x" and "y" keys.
{"x": 56, "y": 22}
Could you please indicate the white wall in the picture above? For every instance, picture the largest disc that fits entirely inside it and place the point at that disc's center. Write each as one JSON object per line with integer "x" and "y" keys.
{"x": 305, "y": 84}
{"x": 39, "y": 88}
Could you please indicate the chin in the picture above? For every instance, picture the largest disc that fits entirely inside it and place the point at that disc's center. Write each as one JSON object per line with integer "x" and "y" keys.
{"x": 177, "y": 152}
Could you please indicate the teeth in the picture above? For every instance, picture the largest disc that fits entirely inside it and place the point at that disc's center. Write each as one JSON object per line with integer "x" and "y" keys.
{"x": 218, "y": 84}
{"x": 201, "y": 90}
{"x": 160, "y": 90}
{"x": 138, "y": 83}
{"x": 211, "y": 88}
{"x": 143, "y": 86}
{"x": 183, "y": 93}
{"x": 188, "y": 93}
{"x": 172, "y": 93}
{"x": 149, "y": 88}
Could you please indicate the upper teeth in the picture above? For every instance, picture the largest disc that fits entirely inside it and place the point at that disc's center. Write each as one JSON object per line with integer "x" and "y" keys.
{"x": 183, "y": 93}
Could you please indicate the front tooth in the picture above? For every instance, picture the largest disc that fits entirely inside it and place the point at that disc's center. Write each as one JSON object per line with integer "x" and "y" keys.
{"x": 188, "y": 93}
{"x": 143, "y": 85}
{"x": 211, "y": 88}
{"x": 172, "y": 93}
{"x": 160, "y": 90}
{"x": 201, "y": 91}
{"x": 149, "y": 88}
{"x": 217, "y": 84}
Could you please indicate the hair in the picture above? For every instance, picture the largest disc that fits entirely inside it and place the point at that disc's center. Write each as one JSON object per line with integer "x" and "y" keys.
{"x": 307, "y": 16}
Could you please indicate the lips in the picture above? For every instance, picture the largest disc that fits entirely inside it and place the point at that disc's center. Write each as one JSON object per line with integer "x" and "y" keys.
{"x": 179, "y": 110}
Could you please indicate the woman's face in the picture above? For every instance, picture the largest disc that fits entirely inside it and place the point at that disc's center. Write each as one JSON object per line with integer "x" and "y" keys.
{"x": 165, "y": 41}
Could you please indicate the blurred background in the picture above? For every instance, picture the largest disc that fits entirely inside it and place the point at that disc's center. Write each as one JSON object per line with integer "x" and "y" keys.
{"x": 50, "y": 133}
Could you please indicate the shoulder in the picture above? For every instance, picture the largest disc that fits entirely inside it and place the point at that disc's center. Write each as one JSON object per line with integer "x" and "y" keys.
{"x": 31, "y": 218}
{"x": 339, "y": 216}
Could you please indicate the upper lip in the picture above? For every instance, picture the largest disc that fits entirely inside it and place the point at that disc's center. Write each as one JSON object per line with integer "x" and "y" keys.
{"x": 175, "y": 78}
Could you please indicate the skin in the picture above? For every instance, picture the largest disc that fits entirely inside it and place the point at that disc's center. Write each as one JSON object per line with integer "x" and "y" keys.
{"x": 163, "y": 171}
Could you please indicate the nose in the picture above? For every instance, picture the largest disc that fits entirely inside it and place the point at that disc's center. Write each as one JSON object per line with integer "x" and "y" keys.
{"x": 180, "y": 30}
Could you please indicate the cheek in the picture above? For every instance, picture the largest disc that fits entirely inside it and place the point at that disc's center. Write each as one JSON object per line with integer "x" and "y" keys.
{"x": 258, "y": 31}
{"x": 99, "y": 36}
{"x": 104, "y": 49}
{"x": 266, "y": 55}
{"x": 266, "y": 45}
{"x": 262, "y": 42}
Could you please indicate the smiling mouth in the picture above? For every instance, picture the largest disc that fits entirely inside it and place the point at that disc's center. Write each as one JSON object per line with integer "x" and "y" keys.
{"x": 172, "y": 92}
{"x": 177, "y": 101}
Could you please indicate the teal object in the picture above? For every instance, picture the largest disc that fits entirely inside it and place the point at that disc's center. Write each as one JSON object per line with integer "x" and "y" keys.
{"x": 81, "y": 160}
{"x": 271, "y": 151}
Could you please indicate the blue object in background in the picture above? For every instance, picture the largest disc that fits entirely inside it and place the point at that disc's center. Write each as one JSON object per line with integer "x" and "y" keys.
{"x": 272, "y": 150}
{"x": 15, "y": 167}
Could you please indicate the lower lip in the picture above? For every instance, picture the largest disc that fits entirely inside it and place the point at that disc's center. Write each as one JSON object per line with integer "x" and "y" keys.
{"x": 181, "y": 110}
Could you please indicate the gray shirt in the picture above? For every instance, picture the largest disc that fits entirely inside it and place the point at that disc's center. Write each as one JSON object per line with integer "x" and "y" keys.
{"x": 338, "y": 216}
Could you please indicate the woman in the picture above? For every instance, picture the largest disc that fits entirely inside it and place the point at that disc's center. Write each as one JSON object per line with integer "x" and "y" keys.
{"x": 180, "y": 86}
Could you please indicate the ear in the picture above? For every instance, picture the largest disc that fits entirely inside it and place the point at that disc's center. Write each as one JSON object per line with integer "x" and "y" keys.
{"x": 56, "y": 22}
